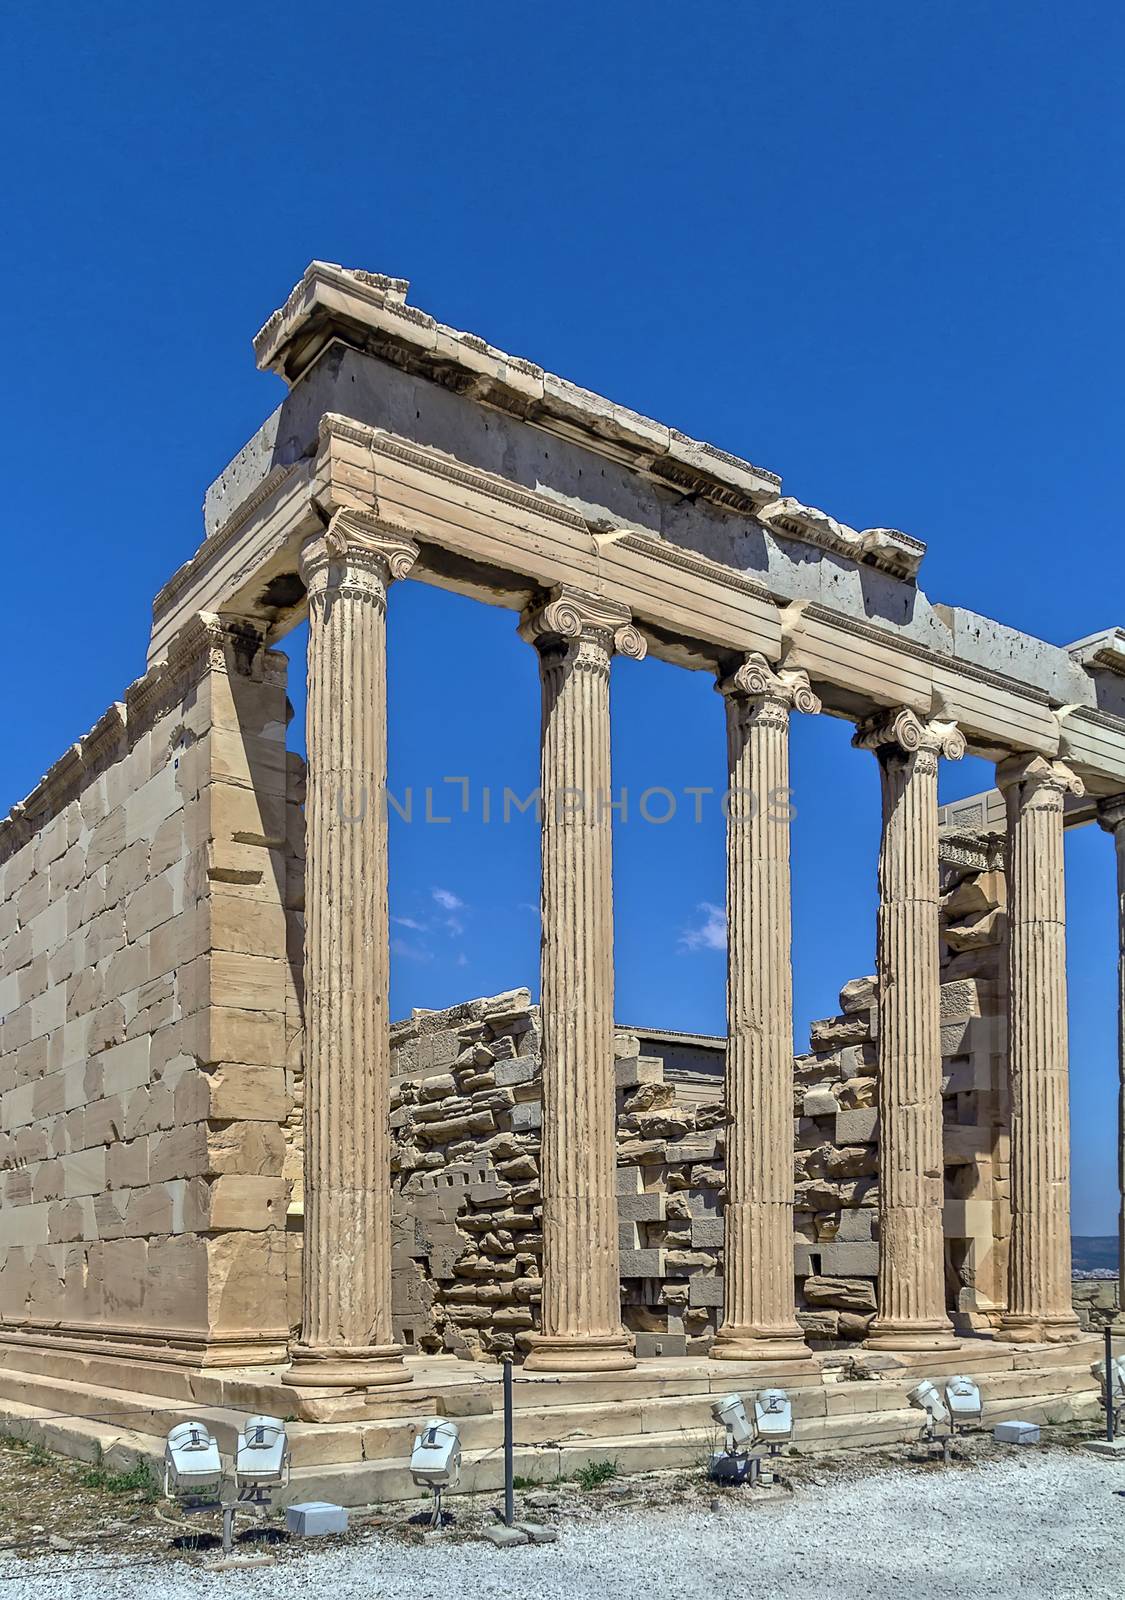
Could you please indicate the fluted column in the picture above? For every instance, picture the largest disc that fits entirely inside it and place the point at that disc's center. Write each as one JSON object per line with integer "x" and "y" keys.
{"x": 1112, "y": 817}
{"x": 576, "y": 634}
{"x": 1039, "y": 1284}
{"x": 912, "y": 1314}
{"x": 758, "y": 1306}
{"x": 346, "y": 1335}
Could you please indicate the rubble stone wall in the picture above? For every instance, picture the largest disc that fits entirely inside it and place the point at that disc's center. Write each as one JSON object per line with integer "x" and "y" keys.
{"x": 1097, "y": 1302}
{"x": 467, "y": 1115}
{"x": 142, "y": 1003}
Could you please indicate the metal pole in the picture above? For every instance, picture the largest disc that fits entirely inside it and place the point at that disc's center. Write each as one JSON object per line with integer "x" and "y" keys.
{"x": 509, "y": 1485}
{"x": 1110, "y": 1396}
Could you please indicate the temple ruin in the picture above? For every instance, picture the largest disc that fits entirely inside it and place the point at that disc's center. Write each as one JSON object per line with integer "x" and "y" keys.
{"x": 229, "y": 1182}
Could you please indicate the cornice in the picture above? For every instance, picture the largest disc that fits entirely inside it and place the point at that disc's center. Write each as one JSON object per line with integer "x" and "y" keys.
{"x": 225, "y": 534}
{"x": 886, "y": 548}
{"x": 1100, "y": 652}
{"x": 370, "y": 312}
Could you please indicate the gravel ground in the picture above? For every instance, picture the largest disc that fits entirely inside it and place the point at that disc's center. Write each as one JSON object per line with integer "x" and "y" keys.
{"x": 1047, "y": 1523}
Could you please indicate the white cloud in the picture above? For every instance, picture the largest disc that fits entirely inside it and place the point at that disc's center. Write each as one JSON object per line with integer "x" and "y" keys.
{"x": 450, "y": 904}
{"x": 409, "y": 922}
{"x": 410, "y": 952}
{"x": 710, "y": 930}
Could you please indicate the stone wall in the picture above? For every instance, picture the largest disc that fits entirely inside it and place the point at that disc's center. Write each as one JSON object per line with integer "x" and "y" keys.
{"x": 837, "y": 1129}
{"x": 1097, "y": 1302}
{"x": 467, "y": 1114}
{"x": 142, "y": 1007}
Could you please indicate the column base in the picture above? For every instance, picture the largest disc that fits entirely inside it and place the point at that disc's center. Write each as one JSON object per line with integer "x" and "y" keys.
{"x": 1020, "y": 1328}
{"x": 591, "y": 1352}
{"x": 345, "y": 1366}
{"x": 886, "y": 1334}
{"x": 760, "y": 1344}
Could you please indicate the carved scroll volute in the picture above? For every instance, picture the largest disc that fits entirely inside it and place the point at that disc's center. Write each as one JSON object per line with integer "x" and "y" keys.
{"x": 1039, "y": 779}
{"x": 902, "y": 731}
{"x": 756, "y": 681}
{"x": 363, "y": 550}
{"x": 573, "y": 616}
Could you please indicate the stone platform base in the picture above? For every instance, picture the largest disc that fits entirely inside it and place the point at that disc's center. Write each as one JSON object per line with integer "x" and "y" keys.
{"x": 657, "y": 1415}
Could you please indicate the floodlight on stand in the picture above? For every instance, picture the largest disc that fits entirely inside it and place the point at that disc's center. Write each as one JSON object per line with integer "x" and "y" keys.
{"x": 733, "y": 1464}
{"x": 1113, "y": 1393}
{"x": 261, "y": 1458}
{"x": 435, "y": 1461}
{"x": 193, "y": 1467}
{"x": 926, "y": 1397}
{"x": 773, "y": 1419}
{"x": 731, "y": 1412}
{"x": 963, "y": 1402}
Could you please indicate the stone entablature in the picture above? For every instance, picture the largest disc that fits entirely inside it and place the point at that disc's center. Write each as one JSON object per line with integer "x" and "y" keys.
{"x": 416, "y": 441}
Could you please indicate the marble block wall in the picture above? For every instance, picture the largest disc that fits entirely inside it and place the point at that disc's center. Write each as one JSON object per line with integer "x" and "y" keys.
{"x": 143, "y": 998}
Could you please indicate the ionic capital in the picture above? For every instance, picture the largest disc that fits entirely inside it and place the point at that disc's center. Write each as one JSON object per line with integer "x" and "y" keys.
{"x": 1111, "y": 815}
{"x": 574, "y": 616}
{"x": 369, "y": 552}
{"x": 903, "y": 732}
{"x": 1038, "y": 778}
{"x": 755, "y": 681}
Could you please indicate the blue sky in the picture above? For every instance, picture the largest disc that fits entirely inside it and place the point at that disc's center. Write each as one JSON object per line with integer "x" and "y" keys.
{"x": 874, "y": 247}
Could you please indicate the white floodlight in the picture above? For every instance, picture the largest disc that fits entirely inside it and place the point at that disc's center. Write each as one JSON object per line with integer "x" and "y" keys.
{"x": 731, "y": 1412}
{"x": 732, "y": 1464}
{"x": 963, "y": 1401}
{"x": 261, "y": 1458}
{"x": 193, "y": 1467}
{"x": 1118, "y": 1365}
{"x": 927, "y": 1399}
{"x": 773, "y": 1418}
{"x": 435, "y": 1461}
{"x": 1113, "y": 1393}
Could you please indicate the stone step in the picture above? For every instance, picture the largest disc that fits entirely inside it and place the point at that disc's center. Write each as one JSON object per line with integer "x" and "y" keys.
{"x": 581, "y": 1418}
{"x": 845, "y": 1423}
{"x": 985, "y": 1355}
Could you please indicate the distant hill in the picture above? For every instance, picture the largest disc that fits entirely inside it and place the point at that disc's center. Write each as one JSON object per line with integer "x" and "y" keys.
{"x": 1094, "y": 1252}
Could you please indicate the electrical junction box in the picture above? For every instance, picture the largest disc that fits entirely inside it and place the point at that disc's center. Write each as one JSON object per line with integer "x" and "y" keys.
{"x": 315, "y": 1518}
{"x": 1016, "y": 1433}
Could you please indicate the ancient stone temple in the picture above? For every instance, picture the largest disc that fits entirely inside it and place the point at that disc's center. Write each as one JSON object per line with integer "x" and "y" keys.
{"x": 228, "y": 1182}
